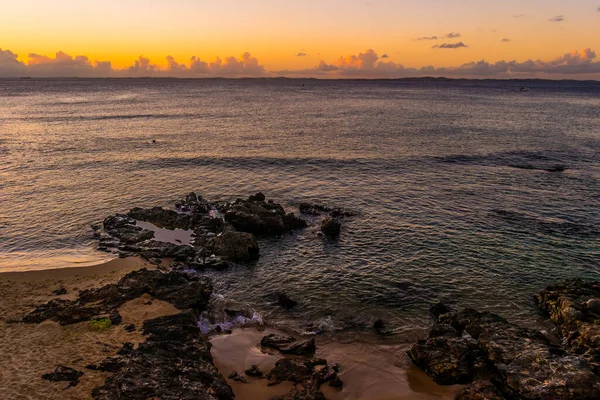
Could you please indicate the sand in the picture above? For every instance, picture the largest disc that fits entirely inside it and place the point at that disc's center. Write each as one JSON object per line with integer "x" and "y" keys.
{"x": 369, "y": 371}
{"x": 29, "y": 350}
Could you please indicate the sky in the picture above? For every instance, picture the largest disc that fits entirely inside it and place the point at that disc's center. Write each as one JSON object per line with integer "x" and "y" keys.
{"x": 309, "y": 38}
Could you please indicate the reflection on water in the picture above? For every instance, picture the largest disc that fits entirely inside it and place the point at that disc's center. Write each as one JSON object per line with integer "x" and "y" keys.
{"x": 424, "y": 164}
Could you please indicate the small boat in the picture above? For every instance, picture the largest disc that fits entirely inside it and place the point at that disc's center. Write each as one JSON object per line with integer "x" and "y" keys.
{"x": 524, "y": 89}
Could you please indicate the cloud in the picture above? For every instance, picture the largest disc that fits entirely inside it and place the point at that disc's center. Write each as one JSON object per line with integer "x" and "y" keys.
{"x": 519, "y": 16}
{"x": 301, "y": 54}
{"x": 450, "y": 45}
{"x": 505, "y": 40}
{"x": 452, "y": 35}
{"x": 428, "y": 38}
{"x": 385, "y": 56}
{"x": 370, "y": 65}
{"x": 558, "y": 18}
{"x": 65, "y": 65}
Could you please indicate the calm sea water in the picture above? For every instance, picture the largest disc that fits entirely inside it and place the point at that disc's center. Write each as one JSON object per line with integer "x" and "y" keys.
{"x": 424, "y": 163}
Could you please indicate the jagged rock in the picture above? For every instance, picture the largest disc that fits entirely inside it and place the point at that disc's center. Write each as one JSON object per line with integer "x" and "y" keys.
{"x": 285, "y": 301}
{"x": 234, "y": 376}
{"x": 521, "y": 363}
{"x": 312, "y": 209}
{"x": 331, "y": 227}
{"x": 64, "y": 374}
{"x": 173, "y": 363}
{"x": 480, "y": 390}
{"x": 257, "y": 197}
{"x": 161, "y": 217}
{"x": 307, "y": 374}
{"x": 236, "y": 246}
{"x": 60, "y": 291}
{"x": 193, "y": 203}
{"x": 254, "y": 371}
{"x": 262, "y": 218}
{"x": 289, "y": 345}
{"x": 438, "y": 309}
{"x": 182, "y": 290}
{"x": 574, "y": 306}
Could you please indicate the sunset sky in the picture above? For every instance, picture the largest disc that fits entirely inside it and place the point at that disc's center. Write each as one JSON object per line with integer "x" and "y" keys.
{"x": 297, "y": 38}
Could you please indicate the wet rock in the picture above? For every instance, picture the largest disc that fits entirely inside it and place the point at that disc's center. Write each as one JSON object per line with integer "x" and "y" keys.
{"x": 307, "y": 374}
{"x": 480, "y": 390}
{"x": 234, "y": 376}
{"x": 438, "y": 309}
{"x": 285, "y": 301}
{"x": 289, "y": 345}
{"x": 257, "y": 197}
{"x": 341, "y": 213}
{"x": 521, "y": 363}
{"x": 129, "y": 328}
{"x": 173, "y": 363}
{"x": 262, "y": 218}
{"x": 182, "y": 290}
{"x": 574, "y": 305}
{"x": 254, "y": 371}
{"x": 192, "y": 203}
{"x": 60, "y": 291}
{"x": 161, "y": 217}
{"x": 236, "y": 246}
{"x": 331, "y": 227}
{"x": 64, "y": 374}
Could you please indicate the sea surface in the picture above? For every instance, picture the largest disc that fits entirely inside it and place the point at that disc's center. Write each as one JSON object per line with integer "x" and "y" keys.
{"x": 449, "y": 180}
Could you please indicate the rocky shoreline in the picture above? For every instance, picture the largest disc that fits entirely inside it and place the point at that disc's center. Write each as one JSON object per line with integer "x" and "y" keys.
{"x": 494, "y": 358}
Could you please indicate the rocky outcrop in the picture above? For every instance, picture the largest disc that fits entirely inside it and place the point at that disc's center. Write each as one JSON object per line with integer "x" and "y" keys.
{"x": 173, "y": 363}
{"x": 289, "y": 345}
{"x": 331, "y": 227}
{"x": 307, "y": 374}
{"x": 236, "y": 246}
{"x": 182, "y": 290}
{"x": 520, "y": 363}
{"x": 574, "y": 306}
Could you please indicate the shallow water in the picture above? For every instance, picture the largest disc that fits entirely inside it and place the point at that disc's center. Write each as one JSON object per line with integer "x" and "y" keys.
{"x": 427, "y": 165}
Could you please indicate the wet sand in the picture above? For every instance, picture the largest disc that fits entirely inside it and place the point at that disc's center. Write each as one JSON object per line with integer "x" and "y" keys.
{"x": 369, "y": 371}
{"x": 29, "y": 350}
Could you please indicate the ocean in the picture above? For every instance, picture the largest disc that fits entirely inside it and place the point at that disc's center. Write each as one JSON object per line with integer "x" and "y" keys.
{"x": 471, "y": 192}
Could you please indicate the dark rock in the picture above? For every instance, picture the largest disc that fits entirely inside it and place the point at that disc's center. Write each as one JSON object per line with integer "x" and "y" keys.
{"x": 480, "y": 390}
{"x": 307, "y": 374}
{"x": 64, "y": 374}
{"x": 60, "y": 291}
{"x": 161, "y": 217}
{"x": 262, "y": 218}
{"x": 438, "y": 309}
{"x": 257, "y": 197}
{"x": 234, "y": 376}
{"x": 380, "y": 327}
{"x": 126, "y": 350}
{"x": 236, "y": 246}
{"x": 574, "y": 305}
{"x": 173, "y": 363}
{"x": 286, "y": 302}
{"x": 289, "y": 345}
{"x": 129, "y": 328}
{"x": 114, "y": 317}
{"x": 331, "y": 227}
{"x": 521, "y": 363}
{"x": 192, "y": 203}
{"x": 182, "y": 290}
{"x": 312, "y": 209}
{"x": 254, "y": 371}
{"x": 341, "y": 213}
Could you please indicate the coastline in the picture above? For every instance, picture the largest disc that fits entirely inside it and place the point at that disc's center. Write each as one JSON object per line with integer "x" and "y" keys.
{"x": 370, "y": 371}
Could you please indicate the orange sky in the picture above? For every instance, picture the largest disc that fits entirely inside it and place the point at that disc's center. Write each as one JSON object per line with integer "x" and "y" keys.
{"x": 275, "y": 31}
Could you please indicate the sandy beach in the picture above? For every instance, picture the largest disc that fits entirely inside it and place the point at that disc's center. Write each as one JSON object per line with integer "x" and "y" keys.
{"x": 31, "y": 350}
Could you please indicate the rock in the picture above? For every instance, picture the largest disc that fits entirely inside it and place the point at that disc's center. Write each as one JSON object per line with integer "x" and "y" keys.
{"x": 234, "y": 376}
{"x": 438, "y": 309}
{"x": 126, "y": 350}
{"x": 521, "y": 363}
{"x": 64, "y": 374}
{"x": 182, "y": 290}
{"x": 312, "y": 209}
{"x": 574, "y": 306}
{"x": 257, "y": 197}
{"x": 380, "y": 327}
{"x": 192, "y": 203}
{"x": 60, "y": 291}
{"x": 331, "y": 227}
{"x": 236, "y": 246}
{"x": 110, "y": 364}
{"x": 289, "y": 345}
{"x": 307, "y": 374}
{"x": 173, "y": 363}
{"x": 286, "y": 302}
{"x": 480, "y": 390}
{"x": 161, "y": 217}
{"x": 262, "y": 218}
{"x": 254, "y": 371}
{"x": 129, "y": 328}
